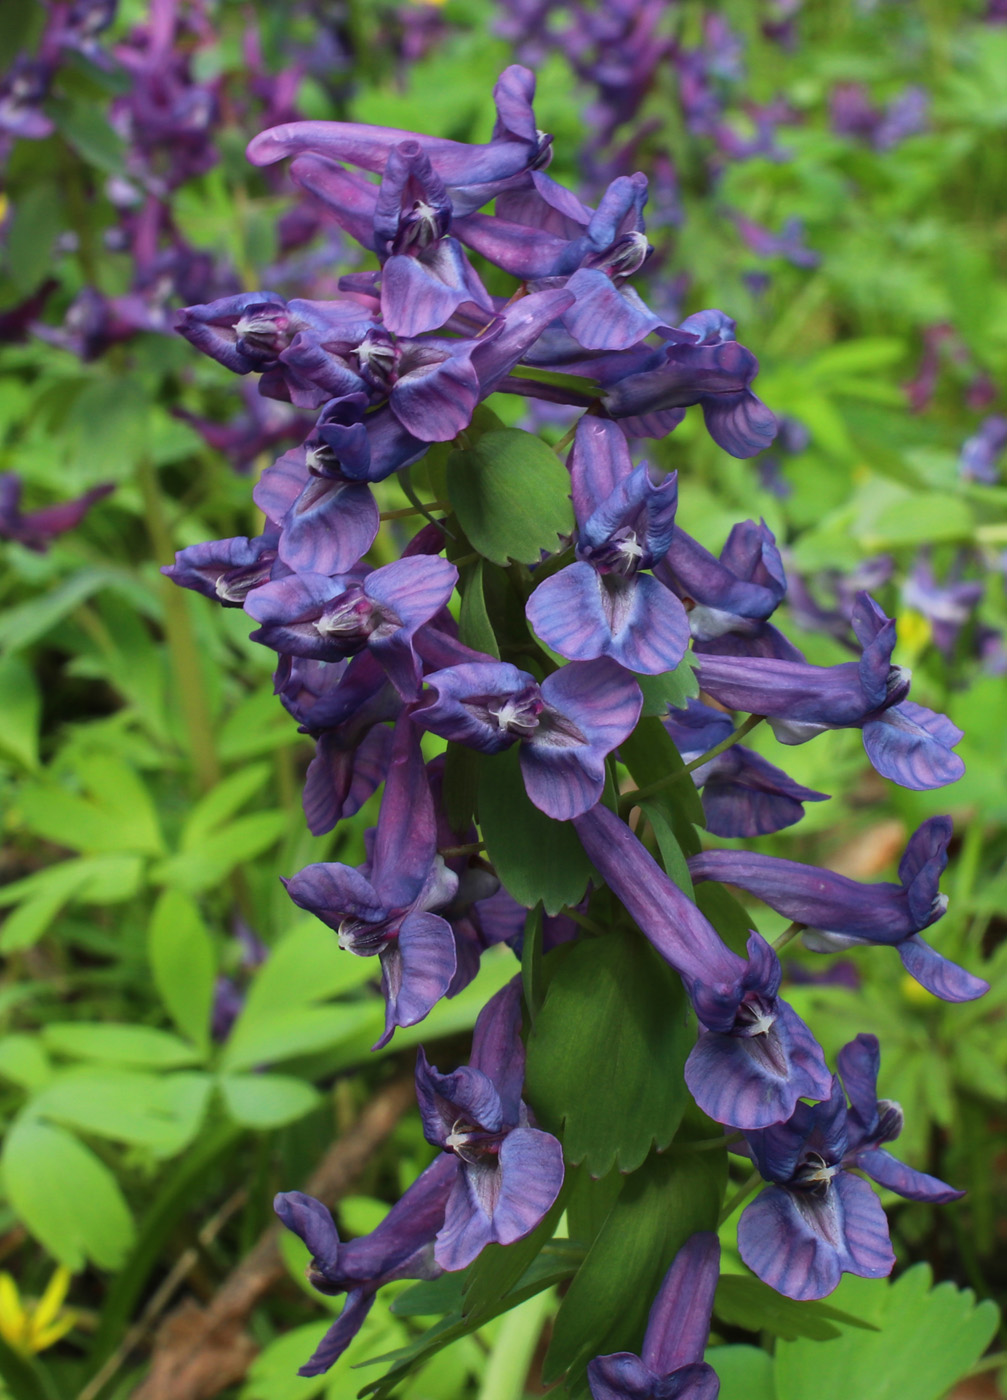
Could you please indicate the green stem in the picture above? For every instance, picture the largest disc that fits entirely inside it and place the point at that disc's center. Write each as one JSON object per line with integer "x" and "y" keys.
{"x": 423, "y": 509}
{"x": 637, "y": 795}
{"x": 993, "y": 1362}
{"x": 472, "y": 848}
{"x": 182, "y": 643}
{"x": 505, "y": 1375}
{"x": 742, "y": 1194}
{"x": 787, "y": 935}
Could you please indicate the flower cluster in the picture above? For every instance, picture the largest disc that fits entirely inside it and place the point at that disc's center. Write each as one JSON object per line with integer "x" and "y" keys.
{"x": 370, "y": 659}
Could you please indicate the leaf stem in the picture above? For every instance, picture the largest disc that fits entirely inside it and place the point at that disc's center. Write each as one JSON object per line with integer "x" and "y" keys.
{"x": 787, "y": 935}
{"x": 422, "y": 509}
{"x": 742, "y": 1194}
{"x": 638, "y": 795}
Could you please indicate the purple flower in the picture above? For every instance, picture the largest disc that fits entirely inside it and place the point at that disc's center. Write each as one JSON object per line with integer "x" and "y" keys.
{"x": 425, "y": 276}
{"x": 325, "y": 522}
{"x": 225, "y": 570}
{"x": 472, "y": 175}
{"x": 906, "y": 743}
{"x": 818, "y": 1221}
{"x": 508, "y": 1173}
{"x": 566, "y": 726}
{"x": 671, "y": 1365}
{"x": 743, "y": 794}
{"x": 384, "y": 909}
{"x": 604, "y": 605}
{"x": 788, "y": 243}
{"x": 980, "y": 452}
{"x": 36, "y": 529}
{"x": 735, "y": 593}
{"x": 947, "y": 607}
{"x": 329, "y": 619}
{"x": 840, "y": 913}
{"x": 400, "y": 1247}
{"x": 754, "y": 1057}
{"x": 544, "y": 235}
{"x": 703, "y": 365}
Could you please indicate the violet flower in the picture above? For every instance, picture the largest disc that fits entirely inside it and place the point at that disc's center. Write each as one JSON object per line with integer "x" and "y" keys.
{"x": 567, "y": 726}
{"x": 384, "y": 909}
{"x": 400, "y": 1247}
{"x": 947, "y": 607}
{"x": 329, "y": 619}
{"x": 742, "y": 793}
{"x": 754, "y": 1057}
{"x": 604, "y": 605}
{"x": 472, "y": 175}
{"x": 507, "y": 1173}
{"x": 545, "y": 236}
{"x": 735, "y": 593}
{"x": 425, "y": 276}
{"x": 703, "y": 364}
{"x": 670, "y": 1365}
{"x": 980, "y": 452}
{"x": 225, "y": 570}
{"x": 325, "y": 522}
{"x": 818, "y": 1221}
{"x": 906, "y": 743}
{"x": 841, "y": 913}
{"x": 36, "y": 529}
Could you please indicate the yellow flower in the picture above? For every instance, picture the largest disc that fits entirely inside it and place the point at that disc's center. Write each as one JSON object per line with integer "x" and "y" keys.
{"x": 30, "y": 1329}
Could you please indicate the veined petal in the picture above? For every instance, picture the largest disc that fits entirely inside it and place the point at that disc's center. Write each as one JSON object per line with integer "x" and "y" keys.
{"x": 445, "y": 1100}
{"x": 334, "y": 892}
{"x": 910, "y": 746}
{"x": 349, "y": 1322}
{"x": 435, "y": 401}
{"x": 801, "y": 1245}
{"x": 941, "y": 977}
{"x": 416, "y": 970}
{"x": 497, "y": 1049}
{"x": 895, "y": 1176}
{"x": 604, "y": 316}
{"x": 329, "y": 528}
{"x": 414, "y": 299}
{"x": 406, "y": 840}
{"x": 599, "y": 460}
{"x": 531, "y": 1174}
{"x": 621, "y": 1376}
{"x": 752, "y": 1082}
{"x": 679, "y": 1322}
{"x": 739, "y": 423}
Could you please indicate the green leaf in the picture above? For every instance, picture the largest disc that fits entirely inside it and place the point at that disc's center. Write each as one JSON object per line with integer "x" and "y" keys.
{"x": 217, "y": 806}
{"x": 749, "y": 1303}
{"x": 184, "y": 964}
{"x": 23, "y": 1060}
{"x": 928, "y": 1339}
{"x": 38, "y": 219}
{"x": 142, "y": 1046}
{"x": 535, "y": 857}
{"x": 474, "y": 626}
{"x": 267, "y": 1100}
{"x": 672, "y": 856}
{"x": 21, "y": 706}
{"x": 607, "y": 1051}
{"x": 24, "y": 1376}
{"x": 160, "y": 1113}
{"x": 461, "y": 786}
{"x": 923, "y": 519}
{"x": 511, "y": 494}
{"x": 216, "y": 856}
{"x": 430, "y": 1297}
{"x": 65, "y": 1196}
{"x": 91, "y": 879}
{"x": 295, "y": 1030}
{"x": 674, "y": 688}
{"x": 86, "y": 128}
{"x": 118, "y": 816}
{"x": 307, "y": 965}
{"x": 605, "y": 1308}
{"x": 746, "y": 1373}
{"x": 25, "y": 623}
{"x": 499, "y": 1267}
